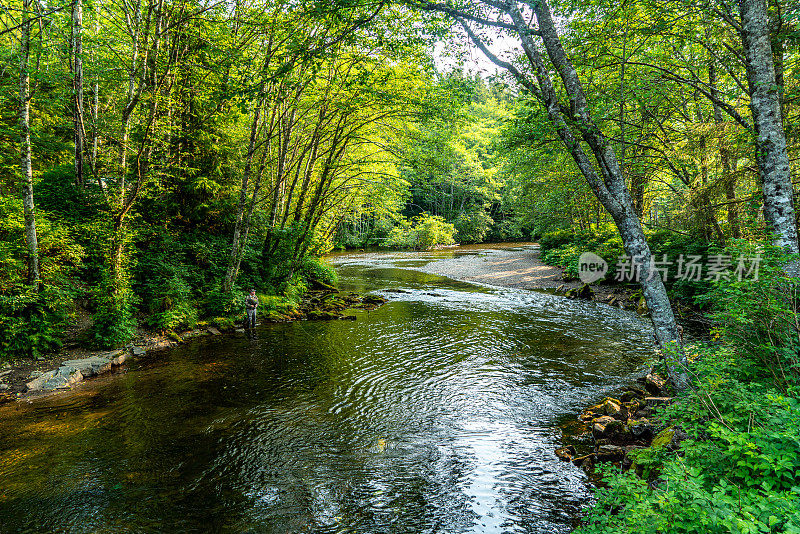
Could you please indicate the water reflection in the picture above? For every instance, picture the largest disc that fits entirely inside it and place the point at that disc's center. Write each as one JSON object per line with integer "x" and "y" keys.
{"x": 435, "y": 413}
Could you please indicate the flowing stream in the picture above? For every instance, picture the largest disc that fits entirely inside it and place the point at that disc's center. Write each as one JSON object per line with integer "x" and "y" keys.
{"x": 437, "y": 412}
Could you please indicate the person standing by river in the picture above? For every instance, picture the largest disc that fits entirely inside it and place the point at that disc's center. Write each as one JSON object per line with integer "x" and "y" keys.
{"x": 251, "y": 304}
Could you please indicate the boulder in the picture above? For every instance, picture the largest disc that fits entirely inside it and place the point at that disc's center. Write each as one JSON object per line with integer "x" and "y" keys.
{"x": 119, "y": 360}
{"x": 373, "y": 300}
{"x": 632, "y": 394}
{"x": 641, "y": 429}
{"x": 94, "y": 365}
{"x": 610, "y": 453}
{"x": 663, "y": 438}
{"x": 213, "y": 331}
{"x": 321, "y": 315}
{"x": 654, "y": 384}
{"x": 606, "y": 427}
{"x": 584, "y": 292}
{"x": 657, "y": 401}
{"x": 609, "y": 406}
{"x": 61, "y": 378}
{"x": 586, "y": 461}
{"x": 566, "y": 454}
{"x": 138, "y": 351}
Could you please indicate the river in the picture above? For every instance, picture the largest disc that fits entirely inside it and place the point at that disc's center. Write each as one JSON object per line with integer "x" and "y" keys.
{"x": 437, "y": 412}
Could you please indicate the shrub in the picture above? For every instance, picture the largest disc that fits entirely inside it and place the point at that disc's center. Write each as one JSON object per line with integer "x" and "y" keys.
{"x": 472, "y": 226}
{"x": 32, "y": 323}
{"x": 422, "y": 233}
{"x": 114, "y": 322}
{"x": 316, "y": 269}
{"x": 220, "y": 303}
{"x": 758, "y": 315}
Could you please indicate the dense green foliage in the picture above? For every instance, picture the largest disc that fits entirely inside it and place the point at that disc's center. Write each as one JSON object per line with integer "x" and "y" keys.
{"x": 228, "y": 145}
{"x": 739, "y": 469}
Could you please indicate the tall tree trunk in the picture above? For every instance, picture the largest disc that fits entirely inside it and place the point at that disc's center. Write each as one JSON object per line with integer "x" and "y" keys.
{"x": 77, "y": 86}
{"x": 773, "y": 162}
{"x": 236, "y": 245}
{"x": 95, "y": 109}
{"x": 25, "y": 150}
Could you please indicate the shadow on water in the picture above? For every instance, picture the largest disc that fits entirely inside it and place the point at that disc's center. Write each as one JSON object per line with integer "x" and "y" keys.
{"x": 435, "y": 413}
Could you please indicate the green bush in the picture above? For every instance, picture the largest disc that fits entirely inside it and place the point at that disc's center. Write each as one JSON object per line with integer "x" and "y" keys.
{"x": 472, "y": 226}
{"x": 32, "y": 323}
{"x": 739, "y": 471}
{"x": 220, "y": 303}
{"x": 758, "y": 315}
{"x": 114, "y": 323}
{"x": 316, "y": 269}
{"x": 423, "y": 232}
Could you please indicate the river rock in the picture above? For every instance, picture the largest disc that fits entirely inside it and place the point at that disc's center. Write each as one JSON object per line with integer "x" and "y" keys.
{"x": 61, "y": 378}
{"x": 606, "y": 427}
{"x": 654, "y": 384}
{"x": 641, "y": 429}
{"x": 138, "y": 351}
{"x": 657, "y": 401}
{"x": 213, "y": 331}
{"x": 566, "y": 454}
{"x": 585, "y": 462}
{"x": 373, "y": 300}
{"x": 632, "y": 394}
{"x": 584, "y": 292}
{"x": 322, "y": 315}
{"x": 94, "y": 365}
{"x": 609, "y": 406}
{"x": 3, "y": 386}
{"x": 610, "y": 453}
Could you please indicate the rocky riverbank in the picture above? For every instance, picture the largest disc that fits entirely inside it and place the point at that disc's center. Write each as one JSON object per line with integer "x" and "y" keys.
{"x": 64, "y": 370}
{"x": 623, "y": 430}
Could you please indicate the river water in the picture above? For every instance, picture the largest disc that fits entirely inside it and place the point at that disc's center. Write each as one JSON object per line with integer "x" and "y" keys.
{"x": 437, "y": 412}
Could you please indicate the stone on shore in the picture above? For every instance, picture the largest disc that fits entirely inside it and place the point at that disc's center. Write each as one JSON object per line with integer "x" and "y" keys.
{"x": 61, "y": 378}
{"x": 566, "y": 454}
{"x": 94, "y": 365}
{"x": 654, "y": 384}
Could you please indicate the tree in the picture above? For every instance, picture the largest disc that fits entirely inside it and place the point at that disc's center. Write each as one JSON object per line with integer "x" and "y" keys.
{"x": 765, "y": 105}
{"x": 606, "y": 178}
{"x": 26, "y": 165}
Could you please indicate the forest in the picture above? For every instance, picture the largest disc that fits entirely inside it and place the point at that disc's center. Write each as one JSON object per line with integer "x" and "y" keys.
{"x": 160, "y": 157}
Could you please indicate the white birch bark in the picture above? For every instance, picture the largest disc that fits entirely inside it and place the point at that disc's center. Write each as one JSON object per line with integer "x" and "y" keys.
{"x": 773, "y": 162}
{"x": 26, "y": 166}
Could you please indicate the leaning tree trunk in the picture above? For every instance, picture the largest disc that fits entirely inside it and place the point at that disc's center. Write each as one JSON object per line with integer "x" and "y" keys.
{"x": 25, "y": 151}
{"x": 773, "y": 162}
{"x": 611, "y": 189}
